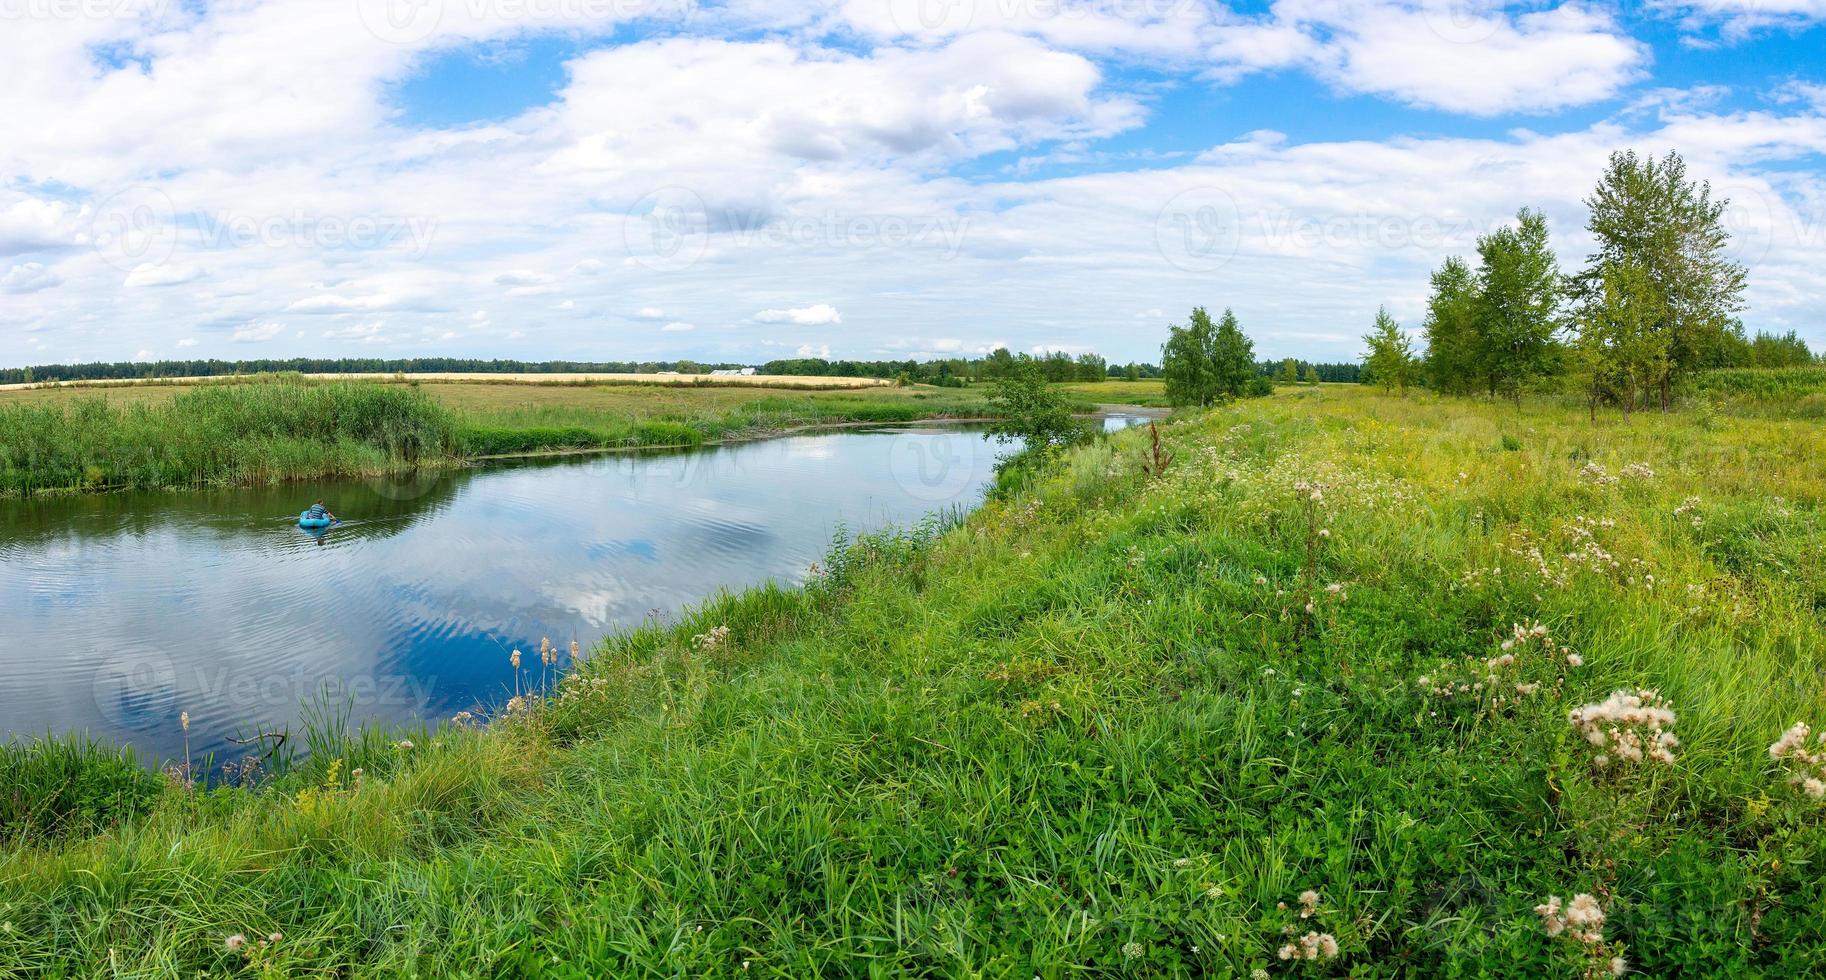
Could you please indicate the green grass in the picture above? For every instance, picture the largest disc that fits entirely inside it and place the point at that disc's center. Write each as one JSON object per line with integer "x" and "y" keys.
{"x": 1796, "y": 392}
{"x": 1094, "y": 731}
{"x": 289, "y": 427}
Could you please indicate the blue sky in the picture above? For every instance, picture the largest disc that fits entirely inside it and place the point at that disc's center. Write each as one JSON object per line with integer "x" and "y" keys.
{"x": 623, "y": 179}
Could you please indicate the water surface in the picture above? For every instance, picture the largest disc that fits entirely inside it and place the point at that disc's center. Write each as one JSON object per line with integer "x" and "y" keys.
{"x": 119, "y": 612}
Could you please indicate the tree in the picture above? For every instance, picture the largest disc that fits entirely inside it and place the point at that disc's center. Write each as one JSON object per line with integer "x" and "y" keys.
{"x": 1621, "y": 350}
{"x": 1232, "y": 357}
{"x": 1034, "y": 412}
{"x": 1518, "y": 310}
{"x": 1312, "y": 375}
{"x": 1290, "y": 372}
{"x": 1391, "y": 354}
{"x": 1205, "y": 363}
{"x": 1186, "y": 360}
{"x": 1646, "y": 214}
{"x": 1451, "y": 330}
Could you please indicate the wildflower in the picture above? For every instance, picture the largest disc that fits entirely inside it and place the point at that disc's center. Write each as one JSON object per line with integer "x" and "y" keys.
{"x": 274, "y": 938}
{"x": 1131, "y": 950}
{"x": 1325, "y": 532}
{"x": 1261, "y": 580}
{"x": 405, "y": 744}
{"x": 1574, "y": 660}
{"x": 1618, "y": 966}
{"x": 1633, "y": 726}
{"x": 236, "y": 942}
{"x": 1181, "y": 862}
{"x": 1258, "y": 974}
{"x": 515, "y": 660}
{"x": 1309, "y": 903}
{"x": 184, "y": 720}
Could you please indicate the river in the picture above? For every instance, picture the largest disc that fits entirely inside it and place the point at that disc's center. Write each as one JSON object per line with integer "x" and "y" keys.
{"x": 119, "y": 612}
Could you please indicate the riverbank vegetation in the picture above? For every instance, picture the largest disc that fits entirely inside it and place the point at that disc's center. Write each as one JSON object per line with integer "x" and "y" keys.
{"x": 1358, "y": 684}
{"x": 291, "y": 427}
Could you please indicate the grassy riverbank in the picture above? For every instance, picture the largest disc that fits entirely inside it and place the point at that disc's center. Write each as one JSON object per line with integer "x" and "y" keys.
{"x": 276, "y": 429}
{"x": 1117, "y": 726}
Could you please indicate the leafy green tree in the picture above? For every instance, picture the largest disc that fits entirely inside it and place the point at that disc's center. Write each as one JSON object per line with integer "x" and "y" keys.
{"x": 1646, "y": 214}
{"x": 1391, "y": 355}
{"x": 1452, "y": 358}
{"x": 1519, "y": 303}
{"x": 1621, "y": 350}
{"x": 1312, "y": 375}
{"x": 1205, "y": 363}
{"x": 1232, "y": 357}
{"x": 1186, "y": 360}
{"x": 1034, "y": 412}
{"x": 1290, "y": 372}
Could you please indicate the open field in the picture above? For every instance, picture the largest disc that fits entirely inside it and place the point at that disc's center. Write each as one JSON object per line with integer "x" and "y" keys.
{"x": 1307, "y": 691}
{"x": 281, "y": 428}
{"x": 1146, "y": 393}
{"x": 680, "y": 380}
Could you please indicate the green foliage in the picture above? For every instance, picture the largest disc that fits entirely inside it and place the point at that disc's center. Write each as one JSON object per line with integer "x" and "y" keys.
{"x": 1038, "y": 415}
{"x": 1647, "y": 215}
{"x": 1205, "y": 363}
{"x": 1092, "y": 732}
{"x": 54, "y": 787}
{"x": 1390, "y": 362}
{"x": 221, "y": 433}
{"x": 1518, "y": 311}
{"x": 1453, "y": 342}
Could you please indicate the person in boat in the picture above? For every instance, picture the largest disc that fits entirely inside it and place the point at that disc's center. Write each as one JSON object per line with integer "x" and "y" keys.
{"x": 318, "y": 512}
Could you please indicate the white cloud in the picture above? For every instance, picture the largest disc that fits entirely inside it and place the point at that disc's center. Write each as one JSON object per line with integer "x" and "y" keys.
{"x": 678, "y": 327}
{"x": 368, "y": 332}
{"x": 187, "y": 342}
{"x": 144, "y": 355}
{"x": 807, "y": 350}
{"x": 820, "y": 314}
{"x": 28, "y": 277}
{"x": 257, "y": 333}
{"x": 148, "y": 274}
{"x": 650, "y": 313}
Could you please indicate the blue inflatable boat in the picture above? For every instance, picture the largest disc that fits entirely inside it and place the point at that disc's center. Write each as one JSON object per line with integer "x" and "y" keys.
{"x": 309, "y": 523}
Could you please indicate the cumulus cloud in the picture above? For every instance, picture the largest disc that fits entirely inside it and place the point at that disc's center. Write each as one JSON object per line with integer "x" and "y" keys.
{"x": 678, "y": 327}
{"x": 257, "y": 333}
{"x": 28, "y": 277}
{"x": 809, "y": 316}
{"x": 148, "y": 274}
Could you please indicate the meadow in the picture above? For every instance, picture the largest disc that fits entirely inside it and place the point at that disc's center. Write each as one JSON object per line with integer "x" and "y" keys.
{"x": 1359, "y": 685}
{"x": 278, "y": 428}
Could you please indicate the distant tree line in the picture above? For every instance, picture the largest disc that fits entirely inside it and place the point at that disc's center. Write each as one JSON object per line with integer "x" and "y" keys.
{"x": 1056, "y": 366}
{"x": 1309, "y": 372}
{"x": 1657, "y": 302}
{"x": 129, "y": 370}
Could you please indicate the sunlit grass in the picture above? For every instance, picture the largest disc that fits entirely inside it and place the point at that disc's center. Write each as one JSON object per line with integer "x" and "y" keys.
{"x": 1097, "y": 730}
